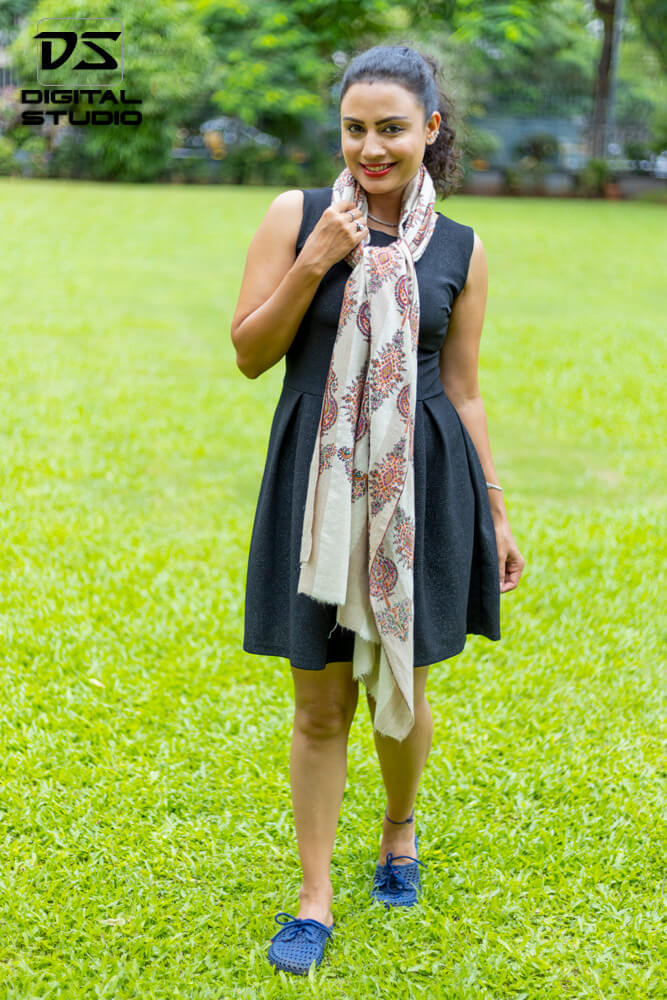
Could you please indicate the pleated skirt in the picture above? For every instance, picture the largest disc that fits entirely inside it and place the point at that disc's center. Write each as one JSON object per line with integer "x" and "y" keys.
{"x": 456, "y": 574}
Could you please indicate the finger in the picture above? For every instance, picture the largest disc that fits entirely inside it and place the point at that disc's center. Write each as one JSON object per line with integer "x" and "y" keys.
{"x": 514, "y": 569}
{"x": 511, "y": 580}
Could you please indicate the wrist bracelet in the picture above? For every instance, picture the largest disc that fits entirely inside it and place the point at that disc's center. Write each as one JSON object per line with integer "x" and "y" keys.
{"x": 494, "y": 487}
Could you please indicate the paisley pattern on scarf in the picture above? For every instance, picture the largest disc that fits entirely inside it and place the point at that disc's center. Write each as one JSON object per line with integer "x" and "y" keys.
{"x": 359, "y": 555}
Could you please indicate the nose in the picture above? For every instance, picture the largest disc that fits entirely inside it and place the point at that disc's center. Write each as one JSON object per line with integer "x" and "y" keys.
{"x": 372, "y": 149}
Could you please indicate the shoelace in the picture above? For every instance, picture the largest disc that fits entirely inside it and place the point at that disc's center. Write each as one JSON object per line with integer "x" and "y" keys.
{"x": 390, "y": 878}
{"x": 295, "y": 927}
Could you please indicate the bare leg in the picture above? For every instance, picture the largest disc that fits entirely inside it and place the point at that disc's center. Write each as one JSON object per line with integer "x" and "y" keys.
{"x": 324, "y": 705}
{"x": 402, "y": 764}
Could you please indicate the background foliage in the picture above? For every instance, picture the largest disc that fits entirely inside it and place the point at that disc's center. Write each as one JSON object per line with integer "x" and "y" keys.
{"x": 275, "y": 67}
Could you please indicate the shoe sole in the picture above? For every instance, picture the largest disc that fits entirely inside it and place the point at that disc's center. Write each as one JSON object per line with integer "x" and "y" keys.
{"x": 295, "y": 972}
{"x": 278, "y": 965}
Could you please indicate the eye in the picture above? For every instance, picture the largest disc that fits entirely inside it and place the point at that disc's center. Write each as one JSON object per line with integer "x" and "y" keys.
{"x": 397, "y": 127}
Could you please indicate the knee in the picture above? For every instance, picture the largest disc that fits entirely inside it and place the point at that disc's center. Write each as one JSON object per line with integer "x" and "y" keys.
{"x": 321, "y": 721}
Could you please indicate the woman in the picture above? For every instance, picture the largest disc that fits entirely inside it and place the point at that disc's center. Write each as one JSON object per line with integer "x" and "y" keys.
{"x": 356, "y": 285}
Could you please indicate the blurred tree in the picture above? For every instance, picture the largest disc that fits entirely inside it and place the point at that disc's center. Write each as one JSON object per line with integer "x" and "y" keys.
{"x": 12, "y": 10}
{"x": 279, "y": 61}
{"x": 495, "y": 20}
{"x": 276, "y": 59}
{"x": 552, "y": 69}
{"x": 546, "y": 72}
{"x": 651, "y": 18}
{"x": 607, "y": 11}
{"x": 641, "y": 92}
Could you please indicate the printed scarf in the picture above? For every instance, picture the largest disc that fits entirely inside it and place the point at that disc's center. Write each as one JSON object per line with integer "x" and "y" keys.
{"x": 357, "y": 545}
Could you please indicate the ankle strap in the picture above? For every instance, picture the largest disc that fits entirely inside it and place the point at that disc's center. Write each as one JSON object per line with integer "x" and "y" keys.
{"x": 400, "y": 821}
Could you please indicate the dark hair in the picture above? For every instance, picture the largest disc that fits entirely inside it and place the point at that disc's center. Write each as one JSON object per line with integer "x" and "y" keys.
{"x": 418, "y": 73}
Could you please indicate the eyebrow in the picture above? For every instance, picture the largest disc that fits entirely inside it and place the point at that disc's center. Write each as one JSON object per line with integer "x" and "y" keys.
{"x": 380, "y": 121}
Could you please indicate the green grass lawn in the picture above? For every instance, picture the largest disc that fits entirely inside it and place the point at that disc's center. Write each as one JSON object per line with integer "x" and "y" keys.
{"x": 145, "y": 814}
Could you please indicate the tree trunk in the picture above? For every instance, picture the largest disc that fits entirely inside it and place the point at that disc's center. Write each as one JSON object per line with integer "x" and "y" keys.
{"x": 606, "y": 10}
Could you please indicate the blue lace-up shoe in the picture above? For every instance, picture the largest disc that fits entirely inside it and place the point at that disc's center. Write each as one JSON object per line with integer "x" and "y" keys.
{"x": 398, "y": 885}
{"x": 298, "y": 943}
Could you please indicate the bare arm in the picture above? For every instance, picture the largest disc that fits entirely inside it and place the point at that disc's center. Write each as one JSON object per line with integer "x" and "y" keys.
{"x": 276, "y": 290}
{"x": 458, "y": 364}
{"x": 277, "y": 285}
{"x": 458, "y": 374}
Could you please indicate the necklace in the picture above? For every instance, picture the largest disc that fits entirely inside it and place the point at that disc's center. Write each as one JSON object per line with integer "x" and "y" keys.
{"x": 394, "y": 224}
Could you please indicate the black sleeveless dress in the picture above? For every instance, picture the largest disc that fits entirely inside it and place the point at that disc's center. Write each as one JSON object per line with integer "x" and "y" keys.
{"x": 455, "y": 566}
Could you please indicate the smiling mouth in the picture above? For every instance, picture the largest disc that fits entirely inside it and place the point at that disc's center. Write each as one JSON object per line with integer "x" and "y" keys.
{"x": 376, "y": 167}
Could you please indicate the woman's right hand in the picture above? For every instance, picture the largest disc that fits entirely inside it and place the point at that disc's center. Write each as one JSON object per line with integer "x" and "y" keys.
{"x": 334, "y": 235}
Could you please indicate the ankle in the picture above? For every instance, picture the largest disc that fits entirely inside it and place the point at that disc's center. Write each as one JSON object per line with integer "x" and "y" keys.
{"x": 316, "y": 903}
{"x": 396, "y": 824}
{"x": 316, "y": 893}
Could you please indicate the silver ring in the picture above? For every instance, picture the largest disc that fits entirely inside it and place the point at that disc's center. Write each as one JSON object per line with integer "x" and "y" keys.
{"x": 359, "y": 225}
{"x": 349, "y": 212}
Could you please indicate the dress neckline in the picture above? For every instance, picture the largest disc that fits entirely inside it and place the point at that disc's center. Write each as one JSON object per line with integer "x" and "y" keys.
{"x": 381, "y": 232}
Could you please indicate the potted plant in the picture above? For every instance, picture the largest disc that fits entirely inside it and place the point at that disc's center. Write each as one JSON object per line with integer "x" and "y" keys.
{"x": 593, "y": 177}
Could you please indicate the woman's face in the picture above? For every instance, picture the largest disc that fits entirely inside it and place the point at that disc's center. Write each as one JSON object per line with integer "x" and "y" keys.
{"x": 368, "y": 139}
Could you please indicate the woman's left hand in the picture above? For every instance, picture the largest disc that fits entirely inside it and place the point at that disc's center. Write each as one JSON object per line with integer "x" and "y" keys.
{"x": 510, "y": 560}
